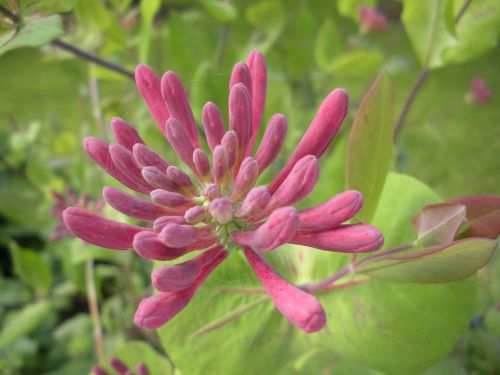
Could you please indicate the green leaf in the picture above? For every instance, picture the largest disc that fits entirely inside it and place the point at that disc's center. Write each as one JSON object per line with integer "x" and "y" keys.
{"x": 349, "y": 8}
{"x": 149, "y": 8}
{"x": 328, "y": 44}
{"x": 431, "y": 29}
{"x": 36, "y": 33}
{"x": 266, "y": 16}
{"x": 21, "y": 322}
{"x": 357, "y": 64}
{"x": 31, "y": 268}
{"x": 369, "y": 153}
{"x": 222, "y": 11}
{"x": 477, "y": 31}
{"x": 483, "y": 215}
{"x": 438, "y": 223}
{"x": 438, "y": 264}
{"x": 50, "y": 6}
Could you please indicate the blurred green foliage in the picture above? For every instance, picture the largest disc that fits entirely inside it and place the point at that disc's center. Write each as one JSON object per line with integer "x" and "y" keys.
{"x": 50, "y": 99}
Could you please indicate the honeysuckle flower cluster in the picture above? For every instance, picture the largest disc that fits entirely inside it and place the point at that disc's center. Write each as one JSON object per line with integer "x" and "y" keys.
{"x": 372, "y": 20}
{"x": 479, "y": 91}
{"x": 121, "y": 368}
{"x": 216, "y": 207}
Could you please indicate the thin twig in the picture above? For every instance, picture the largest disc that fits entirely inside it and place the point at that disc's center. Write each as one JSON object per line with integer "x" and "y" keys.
{"x": 94, "y": 310}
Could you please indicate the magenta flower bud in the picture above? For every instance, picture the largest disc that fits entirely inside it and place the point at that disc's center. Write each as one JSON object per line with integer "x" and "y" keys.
{"x": 142, "y": 369}
{"x": 258, "y": 73}
{"x": 145, "y": 157}
{"x": 241, "y": 74}
{"x": 247, "y": 176}
{"x": 213, "y": 124}
{"x": 149, "y": 86}
{"x": 255, "y": 202}
{"x": 221, "y": 210}
{"x": 158, "y": 179}
{"x": 479, "y": 91}
{"x": 98, "y": 370}
{"x": 195, "y": 215}
{"x": 372, "y": 20}
{"x": 301, "y": 309}
{"x": 230, "y": 143}
{"x": 212, "y": 192}
{"x": 298, "y": 183}
{"x": 161, "y": 222}
{"x": 278, "y": 229}
{"x": 98, "y": 151}
{"x": 169, "y": 198}
{"x": 220, "y": 165}
{"x": 135, "y": 207}
{"x": 320, "y": 133}
{"x": 99, "y": 231}
{"x": 181, "y": 179}
{"x": 125, "y": 134}
{"x": 180, "y": 141}
{"x": 332, "y": 213}
{"x": 272, "y": 141}
{"x": 118, "y": 365}
{"x": 201, "y": 163}
{"x": 240, "y": 118}
{"x": 178, "y": 106}
{"x": 175, "y": 235}
{"x": 354, "y": 238}
{"x": 123, "y": 159}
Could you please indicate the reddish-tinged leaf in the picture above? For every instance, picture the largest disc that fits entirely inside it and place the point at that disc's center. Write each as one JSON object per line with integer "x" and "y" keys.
{"x": 483, "y": 215}
{"x": 438, "y": 224}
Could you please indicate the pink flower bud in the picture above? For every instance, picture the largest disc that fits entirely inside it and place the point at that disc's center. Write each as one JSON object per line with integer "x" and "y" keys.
{"x": 180, "y": 141}
{"x": 98, "y": 370}
{"x": 148, "y": 84}
{"x": 201, "y": 163}
{"x": 169, "y": 198}
{"x": 158, "y": 179}
{"x": 118, "y": 365}
{"x": 320, "y": 133}
{"x": 332, "y": 213}
{"x": 372, "y": 20}
{"x": 230, "y": 143}
{"x": 212, "y": 192}
{"x": 221, "y": 210}
{"x": 125, "y": 162}
{"x": 195, "y": 215}
{"x": 248, "y": 174}
{"x": 125, "y": 134}
{"x": 278, "y": 229}
{"x": 213, "y": 124}
{"x": 240, "y": 118}
{"x": 181, "y": 179}
{"x": 256, "y": 201}
{"x": 161, "y": 222}
{"x": 145, "y": 157}
{"x": 177, "y": 103}
{"x": 272, "y": 141}
{"x": 142, "y": 369}
{"x": 175, "y": 235}
{"x": 354, "y": 238}
{"x": 301, "y": 309}
{"x": 133, "y": 206}
{"x": 258, "y": 73}
{"x": 220, "y": 165}
{"x": 99, "y": 231}
{"x": 479, "y": 91}
{"x": 241, "y": 74}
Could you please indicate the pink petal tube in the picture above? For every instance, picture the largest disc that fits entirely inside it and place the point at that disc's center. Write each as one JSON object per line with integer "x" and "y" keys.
{"x": 320, "y": 133}
{"x": 98, "y": 370}
{"x": 258, "y": 73}
{"x": 195, "y": 215}
{"x": 301, "y": 309}
{"x": 99, "y": 231}
{"x": 161, "y": 222}
{"x": 272, "y": 141}
{"x": 256, "y": 201}
{"x": 135, "y": 207}
{"x": 157, "y": 310}
{"x": 230, "y": 143}
{"x": 118, "y": 365}
{"x": 220, "y": 164}
{"x": 177, "y": 103}
{"x": 181, "y": 143}
{"x": 221, "y": 210}
{"x": 148, "y": 84}
{"x": 247, "y": 176}
{"x": 181, "y": 179}
{"x": 175, "y": 235}
{"x": 355, "y": 238}
{"x": 158, "y": 179}
{"x": 212, "y": 192}
{"x": 213, "y": 124}
{"x": 241, "y": 74}
{"x": 145, "y": 157}
{"x": 332, "y": 213}
{"x": 202, "y": 164}
{"x": 125, "y": 162}
{"x": 240, "y": 118}
{"x": 142, "y": 369}
{"x": 125, "y": 134}
{"x": 169, "y": 198}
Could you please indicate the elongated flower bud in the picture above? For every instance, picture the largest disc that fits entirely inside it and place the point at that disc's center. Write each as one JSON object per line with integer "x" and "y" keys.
{"x": 332, "y": 213}
{"x": 179, "y": 140}
{"x": 278, "y": 229}
{"x": 240, "y": 118}
{"x": 124, "y": 161}
{"x": 201, "y": 163}
{"x": 98, "y": 370}
{"x": 241, "y": 74}
{"x": 175, "y": 235}
{"x": 149, "y": 86}
{"x": 248, "y": 174}
{"x": 161, "y": 222}
{"x": 256, "y": 201}
{"x": 125, "y": 134}
{"x": 272, "y": 141}
{"x": 177, "y": 103}
{"x": 169, "y": 198}
{"x": 158, "y": 179}
{"x": 145, "y": 157}
{"x": 118, "y": 365}
{"x": 221, "y": 210}
{"x": 230, "y": 143}
{"x": 213, "y": 124}
{"x": 258, "y": 73}
{"x": 301, "y": 309}
{"x": 219, "y": 164}
{"x": 355, "y": 238}
{"x": 99, "y": 231}
{"x": 181, "y": 179}
{"x": 320, "y": 133}
{"x": 212, "y": 192}
{"x": 195, "y": 215}
{"x": 142, "y": 369}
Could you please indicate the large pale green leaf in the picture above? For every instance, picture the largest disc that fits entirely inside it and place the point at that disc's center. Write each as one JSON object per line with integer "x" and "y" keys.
{"x": 358, "y": 63}
{"x": 149, "y": 8}
{"x": 369, "y": 153}
{"x": 328, "y": 44}
{"x": 349, "y": 8}
{"x": 223, "y": 11}
{"x": 431, "y": 29}
{"x": 35, "y": 33}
